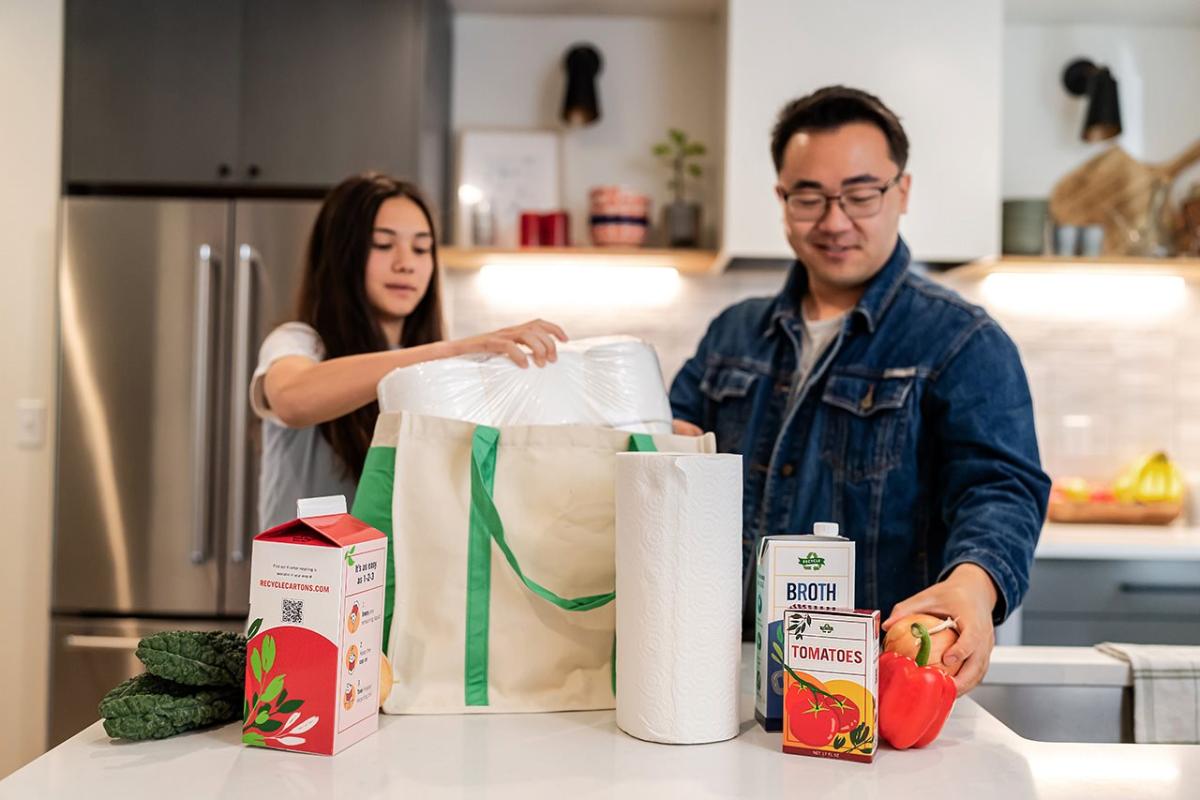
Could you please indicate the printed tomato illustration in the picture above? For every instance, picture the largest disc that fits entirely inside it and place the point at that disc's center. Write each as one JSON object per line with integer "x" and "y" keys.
{"x": 845, "y": 709}
{"x": 809, "y": 720}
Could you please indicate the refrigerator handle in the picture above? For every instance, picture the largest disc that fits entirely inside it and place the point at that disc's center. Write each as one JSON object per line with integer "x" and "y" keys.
{"x": 206, "y": 264}
{"x": 78, "y": 641}
{"x": 248, "y": 260}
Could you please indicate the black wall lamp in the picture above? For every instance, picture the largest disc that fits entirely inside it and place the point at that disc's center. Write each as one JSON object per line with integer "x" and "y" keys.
{"x": 581, "y": 106}
{"x": 1103, "y": 119}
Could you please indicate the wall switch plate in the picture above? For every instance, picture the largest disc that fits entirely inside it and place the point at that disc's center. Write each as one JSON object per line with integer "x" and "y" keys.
{"x": 31, "y": 423}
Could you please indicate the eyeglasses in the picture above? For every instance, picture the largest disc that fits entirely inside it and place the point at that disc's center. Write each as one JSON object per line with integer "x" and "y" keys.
{"x": 810, "y": 205}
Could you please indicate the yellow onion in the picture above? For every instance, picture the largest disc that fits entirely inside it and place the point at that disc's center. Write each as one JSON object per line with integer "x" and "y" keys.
{"x": 900, "y": 639}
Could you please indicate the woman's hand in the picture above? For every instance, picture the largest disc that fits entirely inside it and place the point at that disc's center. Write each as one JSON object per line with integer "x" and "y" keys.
{"x": 539, "y": 336}
{"x": 683, "y": 428}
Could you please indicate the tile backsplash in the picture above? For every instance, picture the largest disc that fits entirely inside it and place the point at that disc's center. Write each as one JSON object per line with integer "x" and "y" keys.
{"x": 1105, "y": 389}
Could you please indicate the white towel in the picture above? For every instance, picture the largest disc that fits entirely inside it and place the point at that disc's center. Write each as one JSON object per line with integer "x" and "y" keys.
{"x": 1166, "y": 691}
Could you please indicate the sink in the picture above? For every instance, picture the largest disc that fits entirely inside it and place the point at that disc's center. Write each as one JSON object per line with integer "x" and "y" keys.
{"x": 1061, "y": 713}
{"x": 1059, "y": 694}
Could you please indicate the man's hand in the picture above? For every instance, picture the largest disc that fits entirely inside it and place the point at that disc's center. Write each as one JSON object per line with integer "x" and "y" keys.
{"x": 682, "y": 428}
{"x": 969, "y": 596}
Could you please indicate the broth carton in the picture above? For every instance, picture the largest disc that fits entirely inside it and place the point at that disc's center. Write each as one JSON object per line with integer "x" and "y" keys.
{"x": 316, "y": 601}
{"x": 813, "y": 570}
{"x": 831, "y": 683}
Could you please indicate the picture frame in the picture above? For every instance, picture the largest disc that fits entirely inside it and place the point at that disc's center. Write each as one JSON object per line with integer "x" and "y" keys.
{"x": 508, "y": 172}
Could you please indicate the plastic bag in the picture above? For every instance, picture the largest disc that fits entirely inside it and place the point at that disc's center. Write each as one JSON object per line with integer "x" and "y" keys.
{"x": 612, "y": 381}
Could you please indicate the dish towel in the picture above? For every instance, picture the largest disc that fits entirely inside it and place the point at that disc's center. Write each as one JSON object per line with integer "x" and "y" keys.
{"x": 1166, "y": 691}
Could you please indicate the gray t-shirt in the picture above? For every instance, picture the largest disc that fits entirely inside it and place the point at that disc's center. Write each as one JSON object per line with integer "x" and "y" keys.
{"x": 296, "y": 462}
{"x": 818, "y": 335}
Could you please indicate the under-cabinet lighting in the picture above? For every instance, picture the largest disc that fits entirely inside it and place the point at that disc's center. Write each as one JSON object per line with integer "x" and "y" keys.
{"x": 1080, "y": 296}
{"x": 565, "y": 282}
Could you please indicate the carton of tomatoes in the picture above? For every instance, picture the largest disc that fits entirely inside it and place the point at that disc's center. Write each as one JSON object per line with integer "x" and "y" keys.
{"x": 831, "y": 683}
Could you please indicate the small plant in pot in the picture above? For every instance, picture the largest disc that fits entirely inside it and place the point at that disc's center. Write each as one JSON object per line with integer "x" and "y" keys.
{"x": 681, "y": 219}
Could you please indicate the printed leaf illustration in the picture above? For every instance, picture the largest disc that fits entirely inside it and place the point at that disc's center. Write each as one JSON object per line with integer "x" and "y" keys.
{"x": 271, "y": 725}
{"x": 839, "y": 743}
{"x": 289, "y": 706}
{"x": 254, "y": 700}
{"x": 779, "y": 634}
{"x": 306, "y": 726}
{"x": 291, "y": 720}
{"x": 262, "y": 717}
{"x": 256, "y": 664}
{"x": 268, "y": 653}
{"x": 273, "y": 689}
{"x": 799, "y": 626}
{"x": 350, "y": 556}
{"x": 279, "y": 700}
{"x": 253, "y": 739}
{"x": 254, "y": 626}
{"x": 777, "y": 652}
{"x": 291, "y": 741}
{"x": 245, "y": 710}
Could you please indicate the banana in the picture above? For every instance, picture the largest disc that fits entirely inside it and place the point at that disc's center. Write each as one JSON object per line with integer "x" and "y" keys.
{"x": 1152, "y": 479}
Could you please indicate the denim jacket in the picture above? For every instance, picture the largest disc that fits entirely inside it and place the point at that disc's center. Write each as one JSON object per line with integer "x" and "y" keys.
{"x": 914, "y": 432}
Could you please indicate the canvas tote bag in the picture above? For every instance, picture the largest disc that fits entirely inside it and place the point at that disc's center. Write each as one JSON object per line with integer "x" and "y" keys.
{"x": 501, "y": 575}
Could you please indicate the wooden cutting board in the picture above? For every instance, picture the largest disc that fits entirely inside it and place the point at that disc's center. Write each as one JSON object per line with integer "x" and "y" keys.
{"x": 1113, "y": 189}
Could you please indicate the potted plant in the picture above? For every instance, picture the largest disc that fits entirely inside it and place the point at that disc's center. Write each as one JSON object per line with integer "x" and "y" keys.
{"x": 681, "y": 219}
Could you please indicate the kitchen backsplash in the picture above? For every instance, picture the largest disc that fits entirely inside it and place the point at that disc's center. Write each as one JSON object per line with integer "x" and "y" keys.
{"x": 1104, "y": 391}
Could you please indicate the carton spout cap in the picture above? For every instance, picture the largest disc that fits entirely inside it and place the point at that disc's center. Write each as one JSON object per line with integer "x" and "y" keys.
{"x": 825, "y": 529}
{"x": 323, "y": 506}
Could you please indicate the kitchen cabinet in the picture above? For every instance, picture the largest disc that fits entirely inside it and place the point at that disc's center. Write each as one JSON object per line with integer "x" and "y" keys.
{"x": 1083, "y": 602}
{"x": 271, "y": 93}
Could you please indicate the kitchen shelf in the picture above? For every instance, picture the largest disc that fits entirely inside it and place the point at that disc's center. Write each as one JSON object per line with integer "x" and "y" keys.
{"x": 684, "y": 260}
{"x": 1188, "y": 268}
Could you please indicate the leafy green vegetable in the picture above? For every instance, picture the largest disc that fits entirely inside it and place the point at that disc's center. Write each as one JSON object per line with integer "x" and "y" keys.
{"x": 196, "y": 658}
{"x": 150, "y": 707}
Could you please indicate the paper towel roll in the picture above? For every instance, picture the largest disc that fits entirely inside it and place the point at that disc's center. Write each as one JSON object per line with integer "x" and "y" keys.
{"x": 679, "y": 595}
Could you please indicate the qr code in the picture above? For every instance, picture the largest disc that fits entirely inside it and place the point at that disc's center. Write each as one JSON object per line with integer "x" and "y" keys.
{"x": 293, "y": 612}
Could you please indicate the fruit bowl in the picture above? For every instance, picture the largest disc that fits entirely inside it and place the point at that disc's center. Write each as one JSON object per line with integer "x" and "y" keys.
{"x": 1114, "y": 513}
{"x": 1148, "y": 492}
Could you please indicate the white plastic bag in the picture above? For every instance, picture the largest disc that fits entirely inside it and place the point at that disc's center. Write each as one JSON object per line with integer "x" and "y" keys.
{"x": 612, "y": 381}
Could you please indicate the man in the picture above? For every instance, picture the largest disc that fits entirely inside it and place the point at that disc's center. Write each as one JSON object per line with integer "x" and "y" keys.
{"x": 869, "y": 396}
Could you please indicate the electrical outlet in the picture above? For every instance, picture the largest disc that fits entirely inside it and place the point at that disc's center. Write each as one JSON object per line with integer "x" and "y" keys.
{"x": 31, "y": 423}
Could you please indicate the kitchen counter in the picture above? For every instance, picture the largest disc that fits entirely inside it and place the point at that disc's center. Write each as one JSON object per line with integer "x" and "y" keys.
{"x": 584, "y": 755}
{"x": 1119, "y": 542}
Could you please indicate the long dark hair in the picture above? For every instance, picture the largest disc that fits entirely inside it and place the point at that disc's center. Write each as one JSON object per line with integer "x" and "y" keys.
{"x": 333, "y": 296}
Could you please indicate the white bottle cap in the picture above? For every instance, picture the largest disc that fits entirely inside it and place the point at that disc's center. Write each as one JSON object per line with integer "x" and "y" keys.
{"x": 825, "y": 529}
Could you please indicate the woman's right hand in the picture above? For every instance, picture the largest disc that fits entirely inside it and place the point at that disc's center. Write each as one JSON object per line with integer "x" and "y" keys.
{"x": 538, "y": 335}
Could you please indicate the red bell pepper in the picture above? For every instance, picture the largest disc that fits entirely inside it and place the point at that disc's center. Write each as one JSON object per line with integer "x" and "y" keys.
{"x": 914, "y": 699}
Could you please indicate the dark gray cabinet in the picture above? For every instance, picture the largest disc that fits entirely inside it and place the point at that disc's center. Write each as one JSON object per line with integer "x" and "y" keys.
{"x": 255, "y": 93}
{"x": 151, "y": 91}
{"x": 1076, "y": 602}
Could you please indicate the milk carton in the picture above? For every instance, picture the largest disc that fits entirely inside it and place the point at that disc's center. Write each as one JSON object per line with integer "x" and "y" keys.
{"x": 814, "y": 570}
{"x": 316, "y": 601}
{"x": 831, "y": 683}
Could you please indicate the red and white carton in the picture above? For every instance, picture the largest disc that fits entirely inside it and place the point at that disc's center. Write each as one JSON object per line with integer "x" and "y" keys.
{"x": 831, "y": 683}
{"x": 316, "y": 605}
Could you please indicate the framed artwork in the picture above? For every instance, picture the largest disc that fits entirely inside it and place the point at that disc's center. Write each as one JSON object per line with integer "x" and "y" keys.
{"x": 502, "y": 173}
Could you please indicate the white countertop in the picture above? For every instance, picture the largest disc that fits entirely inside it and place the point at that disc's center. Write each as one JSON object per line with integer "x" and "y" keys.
{"x": 584, "y": 755}
{"x": 1123, "y": 542}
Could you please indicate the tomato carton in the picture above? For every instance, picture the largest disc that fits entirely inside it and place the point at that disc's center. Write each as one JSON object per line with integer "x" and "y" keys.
{"x": 316, "y": 601}
{"x": 813, "y": 570}
{"x": 831, "y": 683}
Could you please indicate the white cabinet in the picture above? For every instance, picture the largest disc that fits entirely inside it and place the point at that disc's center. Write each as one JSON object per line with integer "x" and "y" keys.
{"x": 936, "y": 63}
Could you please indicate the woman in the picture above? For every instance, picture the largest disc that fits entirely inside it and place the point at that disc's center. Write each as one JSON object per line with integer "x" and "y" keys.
{"x": 369, "y": 303}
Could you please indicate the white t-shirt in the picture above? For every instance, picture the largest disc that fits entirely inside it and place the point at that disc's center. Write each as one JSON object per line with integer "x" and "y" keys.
{"x": 296, "y": 462}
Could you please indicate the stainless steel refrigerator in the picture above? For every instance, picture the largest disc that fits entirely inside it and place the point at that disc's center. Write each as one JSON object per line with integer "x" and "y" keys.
{"x": 162, "y": 306}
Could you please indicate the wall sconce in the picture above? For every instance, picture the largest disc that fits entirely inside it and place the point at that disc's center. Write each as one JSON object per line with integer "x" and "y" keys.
{"x": 1103, "y": 120}
{"x": 581, "y": 106}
